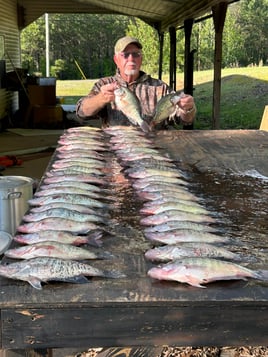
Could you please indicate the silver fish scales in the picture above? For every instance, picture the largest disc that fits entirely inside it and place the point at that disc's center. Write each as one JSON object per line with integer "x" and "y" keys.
{"x": 38, "y": 270}
{"x": 197, "y": 271}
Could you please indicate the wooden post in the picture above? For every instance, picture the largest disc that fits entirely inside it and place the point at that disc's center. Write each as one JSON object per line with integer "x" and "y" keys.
{"x": 172, "y": 59}
{"x": 219, "y": 14}
{"x": 161, "y": 46}
{"x": 264, "y": 121}
{"x": 188, "y": 57}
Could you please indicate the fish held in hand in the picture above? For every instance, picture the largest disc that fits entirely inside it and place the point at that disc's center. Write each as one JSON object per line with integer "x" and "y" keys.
{"x": 128, "y": 103}
{"x": 38, "y": 270}
{"x": 166, "y": 107}
{"x": 199, "y": 271}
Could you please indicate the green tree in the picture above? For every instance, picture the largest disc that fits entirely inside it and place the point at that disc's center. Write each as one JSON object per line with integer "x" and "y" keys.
{"x": 253, "y": 22}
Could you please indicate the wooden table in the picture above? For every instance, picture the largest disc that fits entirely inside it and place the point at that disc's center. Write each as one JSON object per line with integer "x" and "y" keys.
{"x": 136, "y": 311}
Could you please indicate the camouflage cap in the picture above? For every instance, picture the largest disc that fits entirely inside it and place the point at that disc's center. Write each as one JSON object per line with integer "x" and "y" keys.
{"x": 123, "y": 42}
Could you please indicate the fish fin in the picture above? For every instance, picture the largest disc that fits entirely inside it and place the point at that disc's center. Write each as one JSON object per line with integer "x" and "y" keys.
{"x": 35, "y": 282}
{"x": 194, "y": 282}
{"x": 145, "y": 126}
{"x": 75, "y": 280}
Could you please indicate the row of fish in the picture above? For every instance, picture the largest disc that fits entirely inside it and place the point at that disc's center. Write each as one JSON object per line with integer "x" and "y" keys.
{"x": 70, "y": 209}
{"x": 73, "y": 204}
{"x": 184, "y": 232}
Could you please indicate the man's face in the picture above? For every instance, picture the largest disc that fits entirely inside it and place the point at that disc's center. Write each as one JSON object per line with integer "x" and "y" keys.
{"x": 129, "y": 61}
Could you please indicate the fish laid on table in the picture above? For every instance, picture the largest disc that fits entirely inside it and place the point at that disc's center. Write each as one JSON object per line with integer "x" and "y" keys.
{"x": 79, "y": 185}
{"x": 38, "y": 270}
{"x": 189, "y": 249}
{"x": 57, "y": 224}
{"x": 128, "y": 103}
{"x": 73, "y": 207}
{"x": 58, "y": 164}
{"x": 92, "y": 238}
{"x": 66, "y": 214}
{"x": 154, "y": 208}
{"x": 68, "y": 198}
{"x": 176, "y": 215}
{"x": 148, "y": 181}
{"x": 54, "y": 250}
{"x": 81, "y": 153}
{"x": 71, "y": 191}
{"x": 186, "y": 235}
{"x": 177, "y": 225}
{"x": 164, "y": 196}
{"x": 74, "y": 177}
{"x": 76, "y": 145}
{"x": 197, "y": 271}
{"x": 166, "y": 107}
{"x": 148, "y": 172}
{"x": 78, "y": 170}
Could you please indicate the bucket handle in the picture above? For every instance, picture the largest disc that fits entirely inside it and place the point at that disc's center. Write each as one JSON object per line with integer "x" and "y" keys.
{"x": 13, "y": 195}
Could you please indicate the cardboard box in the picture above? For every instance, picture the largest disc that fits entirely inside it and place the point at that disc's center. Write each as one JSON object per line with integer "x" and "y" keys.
{"x": 42, "y": 95}
{"x": 47, "y": 117}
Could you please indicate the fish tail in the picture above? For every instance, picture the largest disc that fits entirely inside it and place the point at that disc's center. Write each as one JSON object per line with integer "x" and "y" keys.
{"x": 105, "y": 255}
{"x": 145, "y": 126}
{"x": 94, "y": 238}
{"x": 113, "y": 274}
{"x": 262, "y": 275}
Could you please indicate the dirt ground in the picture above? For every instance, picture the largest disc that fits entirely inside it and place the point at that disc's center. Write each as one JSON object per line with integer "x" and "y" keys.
{"x": 257, "y": 351}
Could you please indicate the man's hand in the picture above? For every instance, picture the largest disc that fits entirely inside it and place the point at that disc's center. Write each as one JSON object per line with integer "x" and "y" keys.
{"x": 107, "y": 91}
{"x": 187, "y": 109}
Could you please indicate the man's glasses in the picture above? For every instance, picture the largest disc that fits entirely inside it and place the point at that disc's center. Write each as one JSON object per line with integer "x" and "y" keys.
{"x": 133, "y": 54}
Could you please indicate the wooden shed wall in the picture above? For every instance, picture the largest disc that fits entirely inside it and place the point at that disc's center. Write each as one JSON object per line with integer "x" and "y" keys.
{"x": 9, "y": 29}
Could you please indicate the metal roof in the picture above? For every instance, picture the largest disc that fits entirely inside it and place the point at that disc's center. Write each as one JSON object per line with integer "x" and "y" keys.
{"x": 161, "y": 14}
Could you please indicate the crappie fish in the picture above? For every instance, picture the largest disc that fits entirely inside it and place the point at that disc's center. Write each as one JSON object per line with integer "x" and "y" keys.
{"x": 54, "y": 250}
{"x": 57, "y": 224}
{"x": 155, "y": 208}
{"x": 189, "y": 249}
{"x": 64, "y": 213}
{"x": 93, "y": 238}
{"x": 148, "y": 172}
{"x": 72, "y": 191}
{"x": 186, "y": 235}
{"x": 81, "y": 153}
{"x": 197, "y": 271}
{"x": 183, "y": 196}
{"x": 79, "y": 185}
{"x": 166, "y": 107}
{"x": 38, "y": 270}
{"x": 175, "y": 225}
{"x": 70, "y": 206}
{"x": 77, "y": 170}
{"x": 128, "y": 103}
{"x": 67, "y": 198}
{"x": 147, "y": 181}
{"x": 175, "y": 215}
{"x": 74, "y": 177}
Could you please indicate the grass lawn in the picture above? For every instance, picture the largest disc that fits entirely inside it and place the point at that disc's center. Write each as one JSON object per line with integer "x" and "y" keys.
{"x": 244, "y": 94}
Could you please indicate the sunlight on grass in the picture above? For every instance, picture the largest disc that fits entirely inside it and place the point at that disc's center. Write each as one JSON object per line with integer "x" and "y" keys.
{"x": 244, "y": 94}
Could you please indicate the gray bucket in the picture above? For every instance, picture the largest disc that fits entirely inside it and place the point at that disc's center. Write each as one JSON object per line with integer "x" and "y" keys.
{"x": 15, "y": 191}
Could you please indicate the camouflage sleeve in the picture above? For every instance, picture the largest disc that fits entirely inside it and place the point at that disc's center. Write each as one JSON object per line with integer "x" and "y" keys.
{"x": 94, "y": 91}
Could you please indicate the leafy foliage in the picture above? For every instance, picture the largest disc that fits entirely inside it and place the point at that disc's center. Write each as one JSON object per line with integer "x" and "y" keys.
{"x": 81, "y": 45}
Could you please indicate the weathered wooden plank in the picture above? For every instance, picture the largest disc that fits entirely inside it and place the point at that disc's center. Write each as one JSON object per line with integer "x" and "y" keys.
{"x": 181, "y": 325}
{"x": 220, "y": 151}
